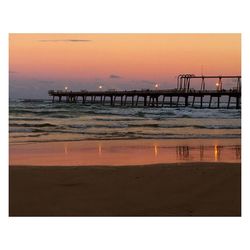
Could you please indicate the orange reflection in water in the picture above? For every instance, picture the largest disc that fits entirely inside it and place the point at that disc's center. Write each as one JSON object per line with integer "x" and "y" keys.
{"x": 155, "y": 150}
{"x": 65, "y": 148}
{"x": 99, "y": 149}
{"x": 182, "y": 152}
{"x": 201, "y": 153}
{"x": 216, "y": 152}
{"x": 124, "y": 152}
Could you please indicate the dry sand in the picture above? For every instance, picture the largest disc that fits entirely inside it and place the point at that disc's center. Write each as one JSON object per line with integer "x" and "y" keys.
{"x": 180, "y": 189}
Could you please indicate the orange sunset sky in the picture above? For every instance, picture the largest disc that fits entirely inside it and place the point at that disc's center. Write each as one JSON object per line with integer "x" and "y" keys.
{"x": 39, "y": 62}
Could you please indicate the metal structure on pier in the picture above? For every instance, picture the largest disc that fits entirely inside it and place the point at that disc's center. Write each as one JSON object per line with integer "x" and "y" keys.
{"x": 184, "y": 82}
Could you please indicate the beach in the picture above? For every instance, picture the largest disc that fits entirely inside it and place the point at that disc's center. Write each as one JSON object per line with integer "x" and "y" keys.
{"x": 83, "y": 160}
{"x": 174, "y": 189}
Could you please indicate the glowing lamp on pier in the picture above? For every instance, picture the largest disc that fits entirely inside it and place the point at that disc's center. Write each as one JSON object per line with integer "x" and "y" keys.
{"x": 66, "y": 88}
{"x": 156, "y": 85}
{"x": 100, "y": 87}
{"x": 217, "y": 86}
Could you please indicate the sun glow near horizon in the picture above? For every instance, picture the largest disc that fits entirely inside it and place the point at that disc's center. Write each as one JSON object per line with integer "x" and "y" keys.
{"x": 45, "y": 61}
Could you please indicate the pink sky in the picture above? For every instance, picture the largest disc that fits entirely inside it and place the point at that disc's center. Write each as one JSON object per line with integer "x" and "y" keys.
{"x": 39, "y": 62}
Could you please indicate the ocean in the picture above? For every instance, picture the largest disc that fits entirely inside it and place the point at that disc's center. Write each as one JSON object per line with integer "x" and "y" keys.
{"x": 44, "y": 121}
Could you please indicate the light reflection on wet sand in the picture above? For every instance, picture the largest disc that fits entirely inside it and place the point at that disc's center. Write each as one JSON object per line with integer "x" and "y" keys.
{"x": 125, "y": 152}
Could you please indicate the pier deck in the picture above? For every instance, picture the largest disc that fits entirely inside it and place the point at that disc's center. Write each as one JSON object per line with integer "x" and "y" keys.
{"x": 151, "y": 98}
{"x": 183, "y": 95}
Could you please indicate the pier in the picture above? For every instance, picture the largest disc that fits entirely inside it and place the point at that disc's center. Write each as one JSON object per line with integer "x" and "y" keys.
{"x": 183, "y": 95}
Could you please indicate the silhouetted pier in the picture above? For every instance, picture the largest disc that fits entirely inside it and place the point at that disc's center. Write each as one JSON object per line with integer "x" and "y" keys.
{"x": 183, "y": 95}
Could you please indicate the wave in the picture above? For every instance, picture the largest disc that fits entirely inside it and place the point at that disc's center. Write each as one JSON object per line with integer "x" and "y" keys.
{"x": 77, "y": 110}
{"x": 32, "y": 125}
{"x": 25, "y": 119}
{"x": 33, "y": 100}
{"x": 79, "y": 128}
{"x": 123, "y": 137}
{"x": 42, "y": 119}
{"x": 98, "y": 126}
{"x": 217, "y": 126}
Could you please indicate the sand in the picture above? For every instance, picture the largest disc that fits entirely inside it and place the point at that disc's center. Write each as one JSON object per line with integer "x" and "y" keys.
{"x": 176, "y": 189}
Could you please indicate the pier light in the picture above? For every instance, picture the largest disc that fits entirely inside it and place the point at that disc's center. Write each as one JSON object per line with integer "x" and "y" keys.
{"x": 156, "y": 85}
{"x": 217, "y": 86}
{"x": 65, "y": 88}
{"x": 100, "y": 87}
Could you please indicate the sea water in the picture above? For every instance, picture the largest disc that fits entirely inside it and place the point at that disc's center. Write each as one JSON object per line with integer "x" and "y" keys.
{"x": 44, "y": 121}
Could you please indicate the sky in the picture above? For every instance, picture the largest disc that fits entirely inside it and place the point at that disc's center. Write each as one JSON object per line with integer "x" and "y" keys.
{"x": 42, "y": 62}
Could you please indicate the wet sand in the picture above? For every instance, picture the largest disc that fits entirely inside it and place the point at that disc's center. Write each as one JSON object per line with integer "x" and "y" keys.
{"x": 174, "y": 189}
{"x": 125, "y": 152}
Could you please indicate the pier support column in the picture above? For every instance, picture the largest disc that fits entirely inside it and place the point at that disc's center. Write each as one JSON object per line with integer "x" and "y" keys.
{"x": 237, "y": 102}
{"x": 218, "y": 102}
{"x": 193, "y": 101}
{"x": 210, "y": 101}
{"x": 145, "y": 101}
{"x": 171, "y": 101}
{"x": 53, "y": 99}
{"x": 157, "y": 102}
{"x": 132, "y": 100}
{"x": 137, "y": 100}
{"x": 186, "y": 101}
{"x": 153, "y": 101}
{"x": 201, "y": 101}
{"x": 149, "y": 101}
{"x": 177, "y": 103}
{"x": 111, "y": 100}
{"x": 125, "y": 102}
{"x": 163, "y": 100}
{"x": 228, "y": 103}
{"x": 121, "y": 100}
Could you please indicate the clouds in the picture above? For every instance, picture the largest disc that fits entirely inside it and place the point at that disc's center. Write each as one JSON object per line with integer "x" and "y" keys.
{"x": 115, "y": 77}
{"x": 146, "y": 82}
{"x": 45, "y": 81}
{"x": 65, "y": 40}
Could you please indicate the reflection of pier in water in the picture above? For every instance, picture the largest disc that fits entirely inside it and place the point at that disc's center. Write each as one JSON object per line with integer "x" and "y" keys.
{"x": 217, "y": 152}
{"x": 202, "y": 152}
{"x": 185, "y": 152}
{"x": 182, "y": 152}
{"x": 238, "y": 152}
{"x": 155, "y": 152}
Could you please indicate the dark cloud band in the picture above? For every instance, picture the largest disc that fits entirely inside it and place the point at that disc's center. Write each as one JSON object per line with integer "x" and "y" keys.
{"x": 115, "y": 76}
{"x": 66, "y": 40}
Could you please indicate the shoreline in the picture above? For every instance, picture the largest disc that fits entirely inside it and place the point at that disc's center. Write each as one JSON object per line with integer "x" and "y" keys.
{"x": 101, "y": 166}
{"x": 177, "y": 189}
{"x": 130, "y": 139}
